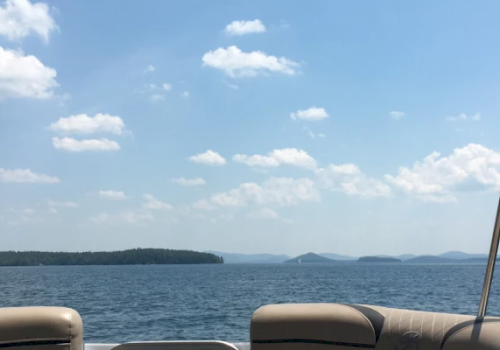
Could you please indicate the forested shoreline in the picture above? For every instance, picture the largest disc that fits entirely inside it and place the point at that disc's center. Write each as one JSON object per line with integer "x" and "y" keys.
{"x": 137, "y": 256}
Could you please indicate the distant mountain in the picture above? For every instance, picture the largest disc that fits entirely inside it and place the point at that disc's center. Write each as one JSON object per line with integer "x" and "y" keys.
{"x": 452, "y": 257}
{"x": 462, "y": 255}
{"x": 430, "y": 259}
{"x": 337, "y": 256}
{"x": 433, "y": 259}
{"x": 235, "y": 258}
{"x": 404, "y": 257}
{"x": 310, "y": 258}
{"x": 377, "y": 259}
{"x": 400, "y": 257}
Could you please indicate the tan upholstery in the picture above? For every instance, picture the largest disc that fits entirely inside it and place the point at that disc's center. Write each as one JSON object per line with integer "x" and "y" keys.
{"x": 40, "y": 328}
{"x": 341, "y": 327}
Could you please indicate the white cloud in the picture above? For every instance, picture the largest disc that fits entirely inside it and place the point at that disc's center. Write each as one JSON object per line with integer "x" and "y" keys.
{"x": 24, "y": 76}
{"x": 185, "y": 94}
{"x": 264, "y": 213}
{"x": 203, "y": 204}
{"x": 149, "y": 69}
{"x": 396, "y": 115}
{"x": 285, "y": 156}
{"x": 25, "y": 175}
{"x": 236, "y": 63}
{"x": 53, "y": 204}
{"x": 349, "y": 179}
{"x": 475, "y": 117}
{"x": 131, "y": 217}
{"x": 154, "y": 204}
{"x": 17, "y": 217}
{"x": 72, "y": 145}
{"x": 83, "y": 124}
{"x": 245, "y": 27}
{"x": 208, "y": 158}
{"x": 437, "y": 178}
{"x": 167, "y": 87}
{"x": 157, "y": 97}
{"x": 231, "y": 86}
{"x": 114, "y": 195}
{"x": 197, "y": 181}
{"x": 280, "y": 191}
{"x": 313, "y": 135}
{"x": 20, "y": 17}
{"x": 311, "y": 114}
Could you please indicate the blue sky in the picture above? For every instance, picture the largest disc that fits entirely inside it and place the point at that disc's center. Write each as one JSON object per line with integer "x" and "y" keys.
{"x": 249, "y": 127}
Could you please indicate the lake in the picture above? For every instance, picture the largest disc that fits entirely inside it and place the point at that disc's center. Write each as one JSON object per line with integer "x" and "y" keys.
{"x": 167, "y": 302}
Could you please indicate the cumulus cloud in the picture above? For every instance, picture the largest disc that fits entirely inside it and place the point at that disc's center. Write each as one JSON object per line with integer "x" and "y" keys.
{"x": 231, "y": 86}
{"x": 72, "y": 145}
{"x": 20, "y": 18}
{"x": 17, "y": 217}
{"x": 167, "y": 87}
{"x": 203, "y": 204}
{"x": 208, "y": 158}
{"x": 279, "y": 191}
{"x": 311, "y": 114}
{"x": 185, "y": 94}
{"x": 149, "y": 69}
{"x": 236, "y": 63}
{"x": 245, "y": 27}
{"x": 152, "y": 203}
{"x": 437, "y": 178}
{"x": 263, "y": 214}
{"x": 464, "y": 117}
{"x": 285, "y": 156}
{"x": 114, "y": 195}
{"x": 157, "y": 97}
{"x": 349, "y": 179}
{"x": 83, "y": 124}
{"x": 396, "y": 115}
{"x": 130, "y": 217}
{"x": 25, "y": 175}
{"x": 24, "y": 76}
{"x": 197, "y": 181}
{"x": 313, "y": 135}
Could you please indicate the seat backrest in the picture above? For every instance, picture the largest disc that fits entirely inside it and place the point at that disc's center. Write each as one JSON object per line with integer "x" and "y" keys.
{"x": 40, "y": 328}
{"x": 342, "y": 327}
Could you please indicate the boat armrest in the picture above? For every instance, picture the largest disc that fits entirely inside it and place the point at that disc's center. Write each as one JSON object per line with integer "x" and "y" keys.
{"x": 40, "y": 328}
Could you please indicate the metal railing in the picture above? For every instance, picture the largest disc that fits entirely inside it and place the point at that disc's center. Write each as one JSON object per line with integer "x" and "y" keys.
{"x": 178, "y": 345}
{"x": 490, "y": 268}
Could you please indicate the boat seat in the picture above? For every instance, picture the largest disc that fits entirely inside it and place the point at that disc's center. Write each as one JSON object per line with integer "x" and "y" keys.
{"x": 40, "y": 328}
{"x": 342, "y": 327}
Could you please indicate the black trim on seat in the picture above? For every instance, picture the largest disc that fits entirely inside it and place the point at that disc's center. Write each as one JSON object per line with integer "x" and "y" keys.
{"x": 34, "y": 343}
{"x": 457, "y": 327}
{"x": 313, "y": 341}
{"x": 376, "y": 318}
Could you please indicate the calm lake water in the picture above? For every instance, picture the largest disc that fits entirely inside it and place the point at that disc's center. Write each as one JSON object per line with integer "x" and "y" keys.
{"x": 166, "y": 302}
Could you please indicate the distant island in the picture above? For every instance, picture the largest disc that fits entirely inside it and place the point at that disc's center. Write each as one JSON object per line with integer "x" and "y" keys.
{"x": 235, "y": 258}
{"x": 125, "y": 257}
{"x": 309, "y": 258}
{"x": 378, "y": 259}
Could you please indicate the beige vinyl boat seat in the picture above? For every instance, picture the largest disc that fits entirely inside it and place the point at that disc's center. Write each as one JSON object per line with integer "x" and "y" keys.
{"x": 40, "y": 328}
{"x": 342, "y": 327}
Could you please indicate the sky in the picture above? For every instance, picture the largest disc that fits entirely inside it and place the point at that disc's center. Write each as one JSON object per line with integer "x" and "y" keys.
{"x": 344, "y": 127}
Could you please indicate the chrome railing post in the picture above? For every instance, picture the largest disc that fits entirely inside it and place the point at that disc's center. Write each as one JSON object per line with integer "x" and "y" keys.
{"x": 488, "y": 277}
